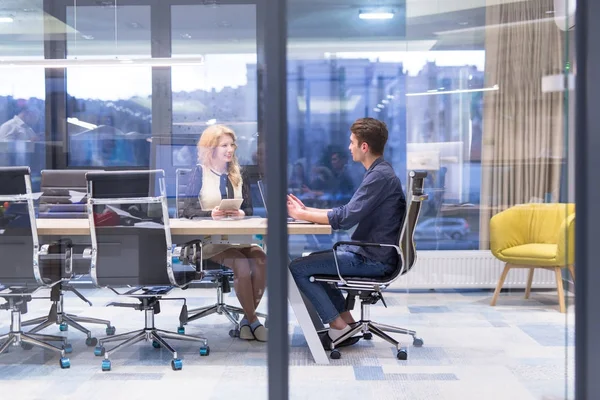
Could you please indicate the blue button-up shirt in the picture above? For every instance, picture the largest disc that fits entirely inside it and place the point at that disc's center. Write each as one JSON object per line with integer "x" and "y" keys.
{"x": 378, "y": 207}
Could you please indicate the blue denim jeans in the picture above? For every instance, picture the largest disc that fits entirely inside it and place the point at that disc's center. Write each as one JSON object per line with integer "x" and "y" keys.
{"x": 327, "y": 300}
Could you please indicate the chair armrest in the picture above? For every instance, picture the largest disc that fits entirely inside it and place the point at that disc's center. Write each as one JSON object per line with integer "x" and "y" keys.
{"x": 505, "y": 230}
{"x": 364, "y": 244}
{"x": 565, "y": 253}
{"x": 360, "y": 244}
{"x": 190, "y": 253}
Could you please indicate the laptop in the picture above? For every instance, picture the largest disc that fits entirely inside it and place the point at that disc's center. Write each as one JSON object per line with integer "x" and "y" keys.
{"x": 263, "y": 191}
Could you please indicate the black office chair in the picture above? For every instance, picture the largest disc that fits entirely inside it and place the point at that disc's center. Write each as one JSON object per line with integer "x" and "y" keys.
{"x": 369, "y": 290}
{"x": 221, "y": 277}
{"x": 57, "y": 202}
{"x": 132, "y": 247}
{"x": 26, "y": 264}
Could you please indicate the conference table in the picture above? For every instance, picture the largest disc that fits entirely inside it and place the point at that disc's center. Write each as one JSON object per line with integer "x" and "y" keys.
{"x": 243, "y": 231}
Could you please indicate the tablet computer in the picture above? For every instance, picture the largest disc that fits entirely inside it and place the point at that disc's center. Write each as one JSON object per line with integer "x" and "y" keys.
{"x": 231, "y": 204}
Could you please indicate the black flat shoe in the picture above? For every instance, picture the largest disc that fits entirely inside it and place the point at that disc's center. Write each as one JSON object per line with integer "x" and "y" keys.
{"x": 326, "y": 341}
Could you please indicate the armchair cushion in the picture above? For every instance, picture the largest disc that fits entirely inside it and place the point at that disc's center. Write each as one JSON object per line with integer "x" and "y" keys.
{"x": 530, "y": 254}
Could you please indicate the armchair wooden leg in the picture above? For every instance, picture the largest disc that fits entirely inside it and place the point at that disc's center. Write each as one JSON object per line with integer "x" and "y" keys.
{"x": 529, "y": 281}
{"x": 572, "y": 271}
{"x": 500, "y": 284}
{"x": 561, "y": 292}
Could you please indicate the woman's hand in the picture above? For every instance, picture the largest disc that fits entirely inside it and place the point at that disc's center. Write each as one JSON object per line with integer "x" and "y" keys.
{"x": 218, "y": 213}
{"x": 236, "y": 214}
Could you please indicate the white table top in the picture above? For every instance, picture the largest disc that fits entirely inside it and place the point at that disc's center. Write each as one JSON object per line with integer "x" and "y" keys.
{"x": 248, "y": 226}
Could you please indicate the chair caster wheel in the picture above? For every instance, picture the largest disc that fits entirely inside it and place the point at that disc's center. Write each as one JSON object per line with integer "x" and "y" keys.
{"x": 368, "y": 336}
{"x": 65, "y": 363}
{"x": 335, "y": 355}
{"x": 417, "y": 342}
{"x": 402, "y": 355}
{"x": 106, "y": 365}
{"x": 91, "y": 342}
{"x": 26, "y": 346}
{"x": 63, "y": 327}
{"x": 234, "y": 333}
{"x": 67, "y": 348}
{"x": 176, "y": 364}
{"x": 181, "y": 330}
{"x": 110, "y": 330}
{"x": 99, "y": 351}
{"x": 155, "y": 344}
{"x": 204, "y": 351}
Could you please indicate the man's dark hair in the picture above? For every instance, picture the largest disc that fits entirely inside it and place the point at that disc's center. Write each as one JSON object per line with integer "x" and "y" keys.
{"x": 371, "y": 131}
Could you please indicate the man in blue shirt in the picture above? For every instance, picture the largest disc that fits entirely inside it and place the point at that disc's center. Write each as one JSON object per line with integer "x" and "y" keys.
{"x": 377, "y": 208}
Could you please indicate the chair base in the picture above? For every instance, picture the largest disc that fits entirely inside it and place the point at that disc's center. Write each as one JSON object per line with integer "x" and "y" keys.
{"x": 57, "y": 316}
{"x": 368, "y": 329}
{"x": 16, "y": 337}
{"x": 149, "y": 333}
{"x": 220, "y": 307}
{"x": 231, "y": 312}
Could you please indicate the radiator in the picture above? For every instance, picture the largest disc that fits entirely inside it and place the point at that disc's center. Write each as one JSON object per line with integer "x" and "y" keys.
{"x": 472, "y": 269}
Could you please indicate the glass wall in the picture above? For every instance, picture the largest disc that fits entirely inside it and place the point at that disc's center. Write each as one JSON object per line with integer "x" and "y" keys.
{"x": 22, "y": 90}
{"x": 109, "y": 122}
{"x": 474, "y": 94}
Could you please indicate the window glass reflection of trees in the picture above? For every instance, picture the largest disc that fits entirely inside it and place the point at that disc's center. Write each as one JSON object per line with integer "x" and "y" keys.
{"x": 22, "y": 119}
{"x": 109, "y": 122}
{"x": 431, "y": 102}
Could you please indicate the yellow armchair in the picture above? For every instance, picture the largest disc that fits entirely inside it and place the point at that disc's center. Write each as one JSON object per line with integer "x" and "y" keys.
{"x": 535, "y": 236}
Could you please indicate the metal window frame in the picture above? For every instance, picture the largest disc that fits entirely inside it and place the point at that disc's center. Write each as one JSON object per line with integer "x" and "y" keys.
{"x": 587, "y": 194}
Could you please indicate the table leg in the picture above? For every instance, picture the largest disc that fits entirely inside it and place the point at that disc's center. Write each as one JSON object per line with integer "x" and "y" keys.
{"x": 306, "y": 322}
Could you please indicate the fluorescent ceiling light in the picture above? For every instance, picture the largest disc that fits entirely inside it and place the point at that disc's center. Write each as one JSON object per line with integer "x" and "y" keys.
{"x": 211, "y": 121}
{"x": 435, "y": 91}
{"x": 111, "y": 62}
{"x": 83, "y": 124}
{"x": 375, "y": 14}
{"x": 6, "y": 19}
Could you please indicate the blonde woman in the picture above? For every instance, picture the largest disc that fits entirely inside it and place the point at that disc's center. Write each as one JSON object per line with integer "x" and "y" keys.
{"x": 217, "y": 176}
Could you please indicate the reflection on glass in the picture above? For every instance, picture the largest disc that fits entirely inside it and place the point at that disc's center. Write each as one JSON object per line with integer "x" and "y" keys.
{"x": 474, "y": 94}
{"x": 223, "y": 89}
{"x": 109, "y": 108}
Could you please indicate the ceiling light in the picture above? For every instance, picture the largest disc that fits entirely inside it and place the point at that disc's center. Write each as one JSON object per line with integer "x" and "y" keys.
{"x": 385, "y": 101}
{"x": 87, "y": 37}
{"x": 375, "y": 14}
{"x": 390, "y": 96}
{"x": 434, "y": 92}
{"x": 186, "y": 36}
{"x": 376, "y": 109}
{"x": 6, "y": 19}
{"x": 107, "y": 62}
{"x": 211, "y": 121}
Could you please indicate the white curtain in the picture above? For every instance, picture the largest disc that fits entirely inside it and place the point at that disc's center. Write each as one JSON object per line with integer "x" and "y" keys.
{"x": 523, "y": 127}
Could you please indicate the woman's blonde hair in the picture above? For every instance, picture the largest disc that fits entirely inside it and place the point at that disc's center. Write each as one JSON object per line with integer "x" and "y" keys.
{"x": 207, "y": 146}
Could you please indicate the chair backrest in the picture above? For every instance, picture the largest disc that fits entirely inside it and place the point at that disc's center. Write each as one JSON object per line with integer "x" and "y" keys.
{"x": 63, "y": 194}
{"x": 19, "y": 242}
{"x": 182, "y": 180}
{"x": 130, "y": 231}
{"x": 415, "y": 200}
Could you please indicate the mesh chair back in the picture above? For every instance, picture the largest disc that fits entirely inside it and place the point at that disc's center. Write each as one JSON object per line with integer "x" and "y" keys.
{"x": 130, "y": 231}
{"x": 19, "y": 243}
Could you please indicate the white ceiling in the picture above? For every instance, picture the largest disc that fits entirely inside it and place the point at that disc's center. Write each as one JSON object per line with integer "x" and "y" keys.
{"x": 314, "y": 26}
